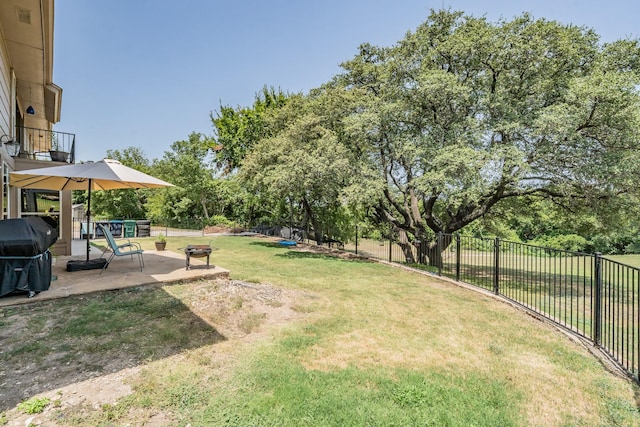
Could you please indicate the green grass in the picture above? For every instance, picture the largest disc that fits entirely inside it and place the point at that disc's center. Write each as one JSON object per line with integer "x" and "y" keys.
{"x": 281, "y": 393}
{"x": 376, "y": 346}
{"x": 632, "y": 260}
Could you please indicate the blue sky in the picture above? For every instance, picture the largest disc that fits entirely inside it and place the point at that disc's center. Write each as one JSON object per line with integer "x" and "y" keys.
{"x": 146, "y": 73}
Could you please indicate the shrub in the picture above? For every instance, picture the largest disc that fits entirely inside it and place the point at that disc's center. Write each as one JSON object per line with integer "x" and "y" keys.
{"x": 633, "y": 247}
{"x": 565, "y": 242}
{"x": 220, "y": 220}
{"x": 614, "y": 243}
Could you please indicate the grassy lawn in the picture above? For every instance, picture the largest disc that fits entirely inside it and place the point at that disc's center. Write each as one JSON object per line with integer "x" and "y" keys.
{"x": 375, "y": 346}
{"x": 632, "y": 260}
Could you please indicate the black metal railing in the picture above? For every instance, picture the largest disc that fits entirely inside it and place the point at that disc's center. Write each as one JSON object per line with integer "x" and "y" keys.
{"x": 589, "y": 295}
{"x": 47, "y": 145}
{"x": 135, "y": 228}
{"x": 617, "y": 320}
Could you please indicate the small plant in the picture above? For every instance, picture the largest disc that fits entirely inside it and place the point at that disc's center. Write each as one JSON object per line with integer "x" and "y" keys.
{"x": 35, "y": 405}
{"x": 161, "y": 242}
{"x": 55, "y": 146}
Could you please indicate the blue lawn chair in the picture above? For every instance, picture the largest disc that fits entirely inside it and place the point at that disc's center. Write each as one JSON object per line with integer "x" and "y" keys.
{"x": 123, "y": 249}
{"x": 83, "y": 230}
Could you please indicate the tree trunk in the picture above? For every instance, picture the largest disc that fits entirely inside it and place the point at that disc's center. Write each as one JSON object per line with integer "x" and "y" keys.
{"x": 434, "y": 254}
{"x": 406, "y": 246}
{"x": 317, "y": 231}
{"x": 203, "y": 202}
{"x": 436, "y": 248}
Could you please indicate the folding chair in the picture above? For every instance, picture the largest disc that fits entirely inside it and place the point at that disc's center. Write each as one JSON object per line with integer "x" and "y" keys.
{"x": 130, "y": 248}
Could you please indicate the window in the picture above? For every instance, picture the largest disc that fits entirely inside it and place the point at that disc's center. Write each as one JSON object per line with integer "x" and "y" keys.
{"x": 43, "y": 203}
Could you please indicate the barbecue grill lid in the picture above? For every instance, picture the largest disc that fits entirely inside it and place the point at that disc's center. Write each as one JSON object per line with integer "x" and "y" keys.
{"x": 26, "y": 236}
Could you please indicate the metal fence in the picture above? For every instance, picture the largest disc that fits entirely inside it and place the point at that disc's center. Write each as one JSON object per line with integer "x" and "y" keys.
{"x": 591, "y": 296}
{"x": 136, "y": 228}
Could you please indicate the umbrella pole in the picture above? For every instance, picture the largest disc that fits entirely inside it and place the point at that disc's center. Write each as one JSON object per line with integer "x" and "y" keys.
{"x": 88, "y": 218}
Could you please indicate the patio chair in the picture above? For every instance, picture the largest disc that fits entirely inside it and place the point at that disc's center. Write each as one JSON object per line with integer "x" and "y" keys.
{"x": 123, "y": 249}
{"x": 83, "y": 231}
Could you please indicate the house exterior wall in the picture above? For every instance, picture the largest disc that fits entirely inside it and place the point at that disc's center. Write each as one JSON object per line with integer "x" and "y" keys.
{"x": 5, "y": 94}
{"x": 6, "y": 162}
{"x": 20, "y": 77}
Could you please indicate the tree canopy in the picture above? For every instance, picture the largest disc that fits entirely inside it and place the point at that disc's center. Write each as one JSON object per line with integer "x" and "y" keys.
{"x": 463, "y": 113}
{"x": 303, "y": 162}
{"x": 508, "y": 122}
{"x": 125, "y": 203}
{"x": 238, "y": 129}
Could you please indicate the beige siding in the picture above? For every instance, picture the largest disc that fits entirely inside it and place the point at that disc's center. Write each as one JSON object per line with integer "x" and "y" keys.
{"x": 5, "y": 85}
{"x": 5, "y": 91}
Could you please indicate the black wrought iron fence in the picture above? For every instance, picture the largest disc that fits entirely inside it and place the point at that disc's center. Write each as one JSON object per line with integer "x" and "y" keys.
{"x": 617, "y": 319}
{"x": 137, "y": 228}
{"x": 591, "y": 296}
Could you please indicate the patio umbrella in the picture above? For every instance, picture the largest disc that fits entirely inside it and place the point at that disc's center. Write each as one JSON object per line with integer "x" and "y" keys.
{"x": 106, "y": 174}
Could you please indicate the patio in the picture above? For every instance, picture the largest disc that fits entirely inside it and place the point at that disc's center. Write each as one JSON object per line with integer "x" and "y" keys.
{"x": 160, "y": 267}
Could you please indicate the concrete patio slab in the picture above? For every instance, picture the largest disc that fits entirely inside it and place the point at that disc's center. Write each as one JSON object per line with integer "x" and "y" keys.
{"x": 123, "y": 272}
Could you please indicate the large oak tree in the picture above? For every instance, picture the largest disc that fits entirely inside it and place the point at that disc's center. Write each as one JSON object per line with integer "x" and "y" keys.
{"x": 464, "y": 113}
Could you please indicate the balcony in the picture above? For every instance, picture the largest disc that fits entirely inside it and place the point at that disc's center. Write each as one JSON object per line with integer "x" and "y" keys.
{"x": 46, "y": 145}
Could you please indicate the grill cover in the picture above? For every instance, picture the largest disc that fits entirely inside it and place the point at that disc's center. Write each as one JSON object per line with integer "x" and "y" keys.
{"x": 25, "y": 260}
{"x": 25, "y": 237}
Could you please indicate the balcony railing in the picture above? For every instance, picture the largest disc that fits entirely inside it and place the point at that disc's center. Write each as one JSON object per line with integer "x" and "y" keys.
{"x": 46, "y": 145}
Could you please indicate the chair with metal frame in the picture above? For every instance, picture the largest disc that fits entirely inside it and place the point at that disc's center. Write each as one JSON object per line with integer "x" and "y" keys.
{"x": 123, "y": 249}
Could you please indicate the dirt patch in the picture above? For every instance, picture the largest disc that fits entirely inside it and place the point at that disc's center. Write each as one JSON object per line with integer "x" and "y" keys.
{"x": 217, "y": 229}
{"x": 337, "y": 253}
{"x": 237, "y": 312}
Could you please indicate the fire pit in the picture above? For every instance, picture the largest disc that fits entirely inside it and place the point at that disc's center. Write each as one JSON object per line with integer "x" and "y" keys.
{"x": 197, "y": 251}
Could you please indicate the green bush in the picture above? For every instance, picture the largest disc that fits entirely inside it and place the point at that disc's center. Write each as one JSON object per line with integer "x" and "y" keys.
{"x": 613, "y": 244}
{"x": 633, "y": 247}
{"x": 565, "y": 242}
{"x": 220, "y": 220}
{"x": 373, "y": 234}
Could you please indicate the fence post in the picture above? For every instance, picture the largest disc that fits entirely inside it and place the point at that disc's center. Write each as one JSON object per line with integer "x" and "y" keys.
{"x": 439, "y": 249}
{"x": 597, "y": 309}
{"x": 496, "y": 266}
{"x": 458, "y": 257}
{"x": 390, "y": 229}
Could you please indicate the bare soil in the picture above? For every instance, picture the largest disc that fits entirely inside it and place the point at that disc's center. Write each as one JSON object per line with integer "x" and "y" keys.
{"x": 239, "y": 312}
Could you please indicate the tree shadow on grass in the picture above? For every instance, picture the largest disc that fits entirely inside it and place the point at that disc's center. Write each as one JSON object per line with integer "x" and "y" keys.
{"x": 320, "y": 255}
{"x": 268, "y": 244}
{"x": 311, "y": 251}
{"x": 51, "y": 344}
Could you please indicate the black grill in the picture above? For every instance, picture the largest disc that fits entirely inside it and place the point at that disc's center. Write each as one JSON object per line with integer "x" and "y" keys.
{"x": 25, "y": 259}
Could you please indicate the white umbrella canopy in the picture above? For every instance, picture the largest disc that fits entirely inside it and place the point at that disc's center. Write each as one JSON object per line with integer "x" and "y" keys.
{"x": 106, "y": 174}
